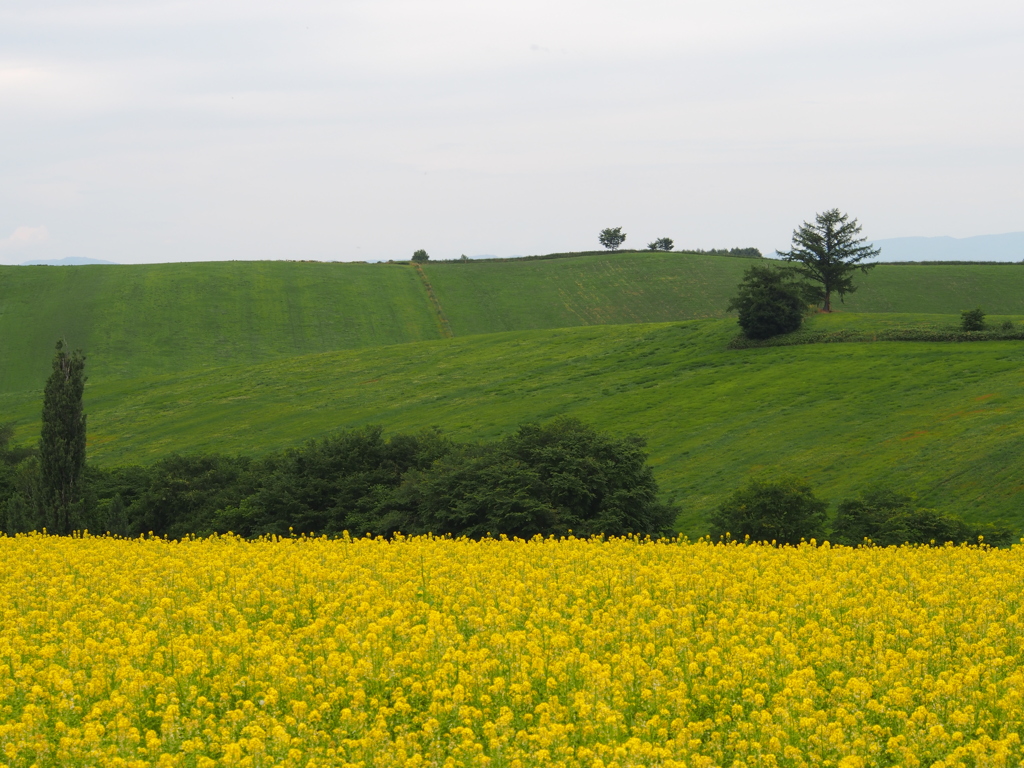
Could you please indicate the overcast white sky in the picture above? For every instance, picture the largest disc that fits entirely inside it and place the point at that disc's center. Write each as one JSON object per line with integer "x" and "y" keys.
{"x": 167, "y": 130}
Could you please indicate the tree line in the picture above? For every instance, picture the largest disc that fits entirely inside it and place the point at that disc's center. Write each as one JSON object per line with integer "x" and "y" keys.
{"x": 785, "y": 510}
{"x": 551, "y": 479}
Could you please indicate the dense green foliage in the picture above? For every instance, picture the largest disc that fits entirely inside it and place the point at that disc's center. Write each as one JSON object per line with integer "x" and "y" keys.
{"x": 551, "y": 479}
{"x": 781, "y": 510}
{"x": 769, "y": 302}
{"x": 544, "y": 479}
{"x": 62, "y": 442}
{"x": 420, "y": 256}
{"x": 887, "y": 518}
{"x": 661, "y": 244}
{"x": 972, "y": 320}
{"x": 612, "y": 237}
{"x": 828, "y": 252}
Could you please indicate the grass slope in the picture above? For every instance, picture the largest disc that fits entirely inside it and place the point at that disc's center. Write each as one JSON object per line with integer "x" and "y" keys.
{"x": 140, "y": 319}
{"x": 485, "y": 297}
{"x": 940, "y": 420}
{"x": 144, "y": 319}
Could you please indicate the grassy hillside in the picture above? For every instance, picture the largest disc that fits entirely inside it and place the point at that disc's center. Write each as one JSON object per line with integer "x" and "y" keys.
{"x": 491, "y": 296}
{"x": 941, "y": 420}
{"x": 485, "y": 297}
{"x": 147, "y": 319}
{"x": 140, "y": 319}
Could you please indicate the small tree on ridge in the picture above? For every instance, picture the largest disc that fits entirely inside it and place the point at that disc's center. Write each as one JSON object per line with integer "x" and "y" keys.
{"x": 661, "y": 244}
{"x": 612, "y": 237}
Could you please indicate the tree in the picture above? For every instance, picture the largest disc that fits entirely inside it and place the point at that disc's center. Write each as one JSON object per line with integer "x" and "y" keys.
{"x": 769, "y": 302}
{"x": 783, "y": 510}
{"x": 973, "y": 320}
{"x": 661, "y": 244}
{"x": 612, "y": 237}
{"x": 117, "y": 517}
{"x": 420, "y": 256}
{"x": 546, "y": 479}
{"x": 62, "y": 443}
{"x": 888, "y": 518}
{"x": 829, "y": 252}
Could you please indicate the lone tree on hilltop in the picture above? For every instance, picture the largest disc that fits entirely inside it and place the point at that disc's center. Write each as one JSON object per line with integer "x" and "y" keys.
{"x": 420, "y": 256}
{"x": 828, "y": 252}
{"x": 661, "y": 244}
{"x": 612, "y": 237}
{"x": 62, "y": 443}
{"x": 769, "y": 301}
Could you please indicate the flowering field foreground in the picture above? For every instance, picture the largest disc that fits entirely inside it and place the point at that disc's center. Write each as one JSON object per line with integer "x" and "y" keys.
{"x": 438, "y": 652}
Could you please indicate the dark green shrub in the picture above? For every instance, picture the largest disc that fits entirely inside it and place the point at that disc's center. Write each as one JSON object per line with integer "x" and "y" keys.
{"x": 544, "y": 479}
{"x": 330, "y": 485}
{"x": 1007, "y": 325}
{"x": 769, "y": 302}
{"x": 972, "y": 320}
{"x": 420, "y": 256}
{"x": 887, "y": 518}
{"x": 782, "y": 510}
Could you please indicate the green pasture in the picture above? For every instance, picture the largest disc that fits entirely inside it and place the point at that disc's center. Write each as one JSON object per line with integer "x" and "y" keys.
{"x": 491, "y": 296}
{"x": 143, "y": 319}
{"x": 605, "y": 289}
{"x": 940, "y": 420}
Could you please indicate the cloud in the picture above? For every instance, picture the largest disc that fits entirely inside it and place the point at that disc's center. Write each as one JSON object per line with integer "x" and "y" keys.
{"x": 26, "y": 236}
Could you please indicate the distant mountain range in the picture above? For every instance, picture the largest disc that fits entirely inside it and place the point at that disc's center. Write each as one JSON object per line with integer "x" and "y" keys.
{"x": 1007, "y": 247}
{"x": 69, "y": 261}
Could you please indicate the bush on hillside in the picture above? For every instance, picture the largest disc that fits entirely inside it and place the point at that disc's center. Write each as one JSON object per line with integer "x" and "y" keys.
{"x": 420, "y": 256}
{"x": 543, "y": 479}
{"x": 972, "y": 320}
{"x": 769, "y": 302}
{"x": 329, "y": 485}
{"x": 887, "y": 518}
{"x": 782, "y": 510}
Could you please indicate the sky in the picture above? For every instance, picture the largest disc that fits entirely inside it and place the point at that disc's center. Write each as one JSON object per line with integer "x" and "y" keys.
{"x": 186, "y": 130}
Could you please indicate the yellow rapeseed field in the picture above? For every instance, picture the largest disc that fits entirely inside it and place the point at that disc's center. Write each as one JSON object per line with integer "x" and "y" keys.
{"x": 309, "y": 652}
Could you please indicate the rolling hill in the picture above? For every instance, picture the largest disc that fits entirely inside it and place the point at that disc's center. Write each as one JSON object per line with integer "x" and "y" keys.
{"x": 938, "y": 419}
{"x": 246, "y": 357}
{"x": 137, "y": 320}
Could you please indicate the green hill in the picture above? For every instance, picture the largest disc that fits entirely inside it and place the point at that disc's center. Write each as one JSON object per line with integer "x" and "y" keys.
{"x": 490, "y": 296}
{"x": 140, "y": 319}
{"x": 166, "y": 318}
{"x": 937, "y": 419}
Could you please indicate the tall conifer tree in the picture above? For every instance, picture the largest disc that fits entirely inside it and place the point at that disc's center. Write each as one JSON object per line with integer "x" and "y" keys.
{"x": 62, "y": 444}
{"x": 829, "y": 252}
